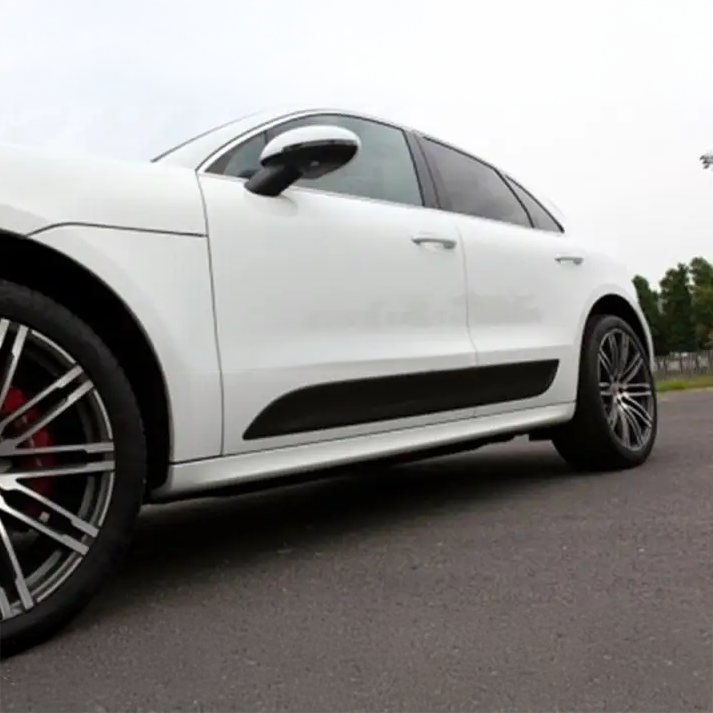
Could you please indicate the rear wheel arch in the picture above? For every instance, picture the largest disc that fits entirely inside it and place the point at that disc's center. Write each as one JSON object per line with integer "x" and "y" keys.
{"x": 56, "y": 275}
{"x": 618, "y": 306}
{"x": 612, "y": 389}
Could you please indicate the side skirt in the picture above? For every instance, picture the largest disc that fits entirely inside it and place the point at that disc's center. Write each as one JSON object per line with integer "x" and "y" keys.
{"x": 206, "y": 477}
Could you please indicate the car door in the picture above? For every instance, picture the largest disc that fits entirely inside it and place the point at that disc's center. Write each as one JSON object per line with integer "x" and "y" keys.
{"x": 526, "y": 282}
{"x": 328, "y": 294}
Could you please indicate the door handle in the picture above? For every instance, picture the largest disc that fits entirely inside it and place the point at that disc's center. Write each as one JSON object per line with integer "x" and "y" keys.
{"x": 575, "y": 259}
{"x": 445, "y": 243}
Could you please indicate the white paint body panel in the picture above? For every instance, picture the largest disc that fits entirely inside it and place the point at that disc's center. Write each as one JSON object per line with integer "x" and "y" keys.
{"x": 164, "y": 280}
{"x": 312, "y": 287}
{"x": 271, "y": 294}
{"x": 38, "y": 190}
{"x": 523, "y": 305}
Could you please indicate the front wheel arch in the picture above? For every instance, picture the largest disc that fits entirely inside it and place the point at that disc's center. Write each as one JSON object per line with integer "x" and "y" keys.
{"x": 45, "y": 270}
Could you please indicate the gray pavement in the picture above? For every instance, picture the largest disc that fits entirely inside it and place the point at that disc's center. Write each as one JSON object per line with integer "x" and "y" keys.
{"x": 494, "y": 581}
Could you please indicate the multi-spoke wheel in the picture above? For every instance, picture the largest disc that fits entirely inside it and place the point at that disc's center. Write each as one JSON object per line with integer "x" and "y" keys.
{"x": 626, "y": 390}
{"x": 72, "y": 465}
{"x": 614, "y": 426}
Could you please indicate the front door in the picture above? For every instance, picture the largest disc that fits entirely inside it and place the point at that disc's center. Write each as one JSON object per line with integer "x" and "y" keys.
{"x": 327, "y": 295}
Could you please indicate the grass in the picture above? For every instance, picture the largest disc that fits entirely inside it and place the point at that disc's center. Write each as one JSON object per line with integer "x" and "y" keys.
{"x": 683, "y": 383}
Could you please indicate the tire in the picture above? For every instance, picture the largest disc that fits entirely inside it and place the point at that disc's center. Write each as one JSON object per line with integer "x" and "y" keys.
{"x": 614, "y": 426}
{"x": 103, "y": 486}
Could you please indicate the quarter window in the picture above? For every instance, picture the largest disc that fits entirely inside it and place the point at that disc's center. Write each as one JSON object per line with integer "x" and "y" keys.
{"x": 241, "y": 161}
{"x": 541, "y": 219}
{"x": 474, "y": 188}
{"x": 382, "y": 168}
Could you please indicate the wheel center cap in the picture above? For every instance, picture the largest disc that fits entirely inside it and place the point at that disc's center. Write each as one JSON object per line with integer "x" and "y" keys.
{"x": 617, "y": 391}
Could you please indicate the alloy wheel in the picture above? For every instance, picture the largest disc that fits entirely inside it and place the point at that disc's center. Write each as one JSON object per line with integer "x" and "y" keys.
{"x": 56, "y": 467}
{"x": 626, "y": 389}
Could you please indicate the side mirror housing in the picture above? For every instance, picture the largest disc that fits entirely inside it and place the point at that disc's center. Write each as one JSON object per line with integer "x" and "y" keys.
{"x": 306, "y": 152}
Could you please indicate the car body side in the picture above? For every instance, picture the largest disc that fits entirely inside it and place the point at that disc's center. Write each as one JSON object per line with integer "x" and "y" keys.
{"x": 141, "y": 232}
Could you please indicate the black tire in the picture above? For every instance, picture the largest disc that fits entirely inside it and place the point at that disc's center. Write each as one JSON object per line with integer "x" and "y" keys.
{"x": 589, "y": 442}
{"x": 38, "y": 312}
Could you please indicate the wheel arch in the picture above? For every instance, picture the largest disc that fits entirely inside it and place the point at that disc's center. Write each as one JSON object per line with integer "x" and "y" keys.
{"x": 37, "y": 266}
{"x": 621, "y": 307}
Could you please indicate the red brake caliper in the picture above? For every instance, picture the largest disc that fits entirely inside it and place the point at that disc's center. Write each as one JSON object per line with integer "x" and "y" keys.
{"x": 42, "y": 439}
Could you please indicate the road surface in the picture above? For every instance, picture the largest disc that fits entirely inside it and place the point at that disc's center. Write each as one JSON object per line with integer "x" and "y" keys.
{"x": 495, "y": 581}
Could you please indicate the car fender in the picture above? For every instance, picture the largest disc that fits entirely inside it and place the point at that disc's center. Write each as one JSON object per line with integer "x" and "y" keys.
{"x": 39, "y": 190}
{"x": 619, "y": 289}
{"x": 164, "y": 281}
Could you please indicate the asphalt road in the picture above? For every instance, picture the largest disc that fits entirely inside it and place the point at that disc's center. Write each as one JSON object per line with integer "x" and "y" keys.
{"x": 495, "y": 581}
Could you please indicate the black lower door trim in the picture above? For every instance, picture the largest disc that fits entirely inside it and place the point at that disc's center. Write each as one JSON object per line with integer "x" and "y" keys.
{"x": 339, "y": 404}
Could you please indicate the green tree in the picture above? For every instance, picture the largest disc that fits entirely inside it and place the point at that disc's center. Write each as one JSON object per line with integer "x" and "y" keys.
{"x": 677, "y": 309}
{"x": 649, "y": 301}
{"x": 701, "y": 272}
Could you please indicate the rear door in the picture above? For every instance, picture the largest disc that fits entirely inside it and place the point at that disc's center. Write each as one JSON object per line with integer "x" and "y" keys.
{"x": 340, "y": 303}
{"x": 526, "y": 282}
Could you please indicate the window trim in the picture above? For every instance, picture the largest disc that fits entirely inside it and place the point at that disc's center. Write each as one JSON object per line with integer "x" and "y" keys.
{"x": 444, "y": 200}
{"x": 218, "y": 153}
{"x": 424, "y": 178}
{"x": 431, "y": 196}
{"x": 208, "y": 169}
{"x": 509, "y": 179}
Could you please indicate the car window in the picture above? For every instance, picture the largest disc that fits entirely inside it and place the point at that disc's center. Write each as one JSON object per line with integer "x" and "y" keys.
{"x": 541, "y": 218}
{"x": 474, "y": 188}
{"x": 382, "y": 168}
{"x": 241, "y": 161}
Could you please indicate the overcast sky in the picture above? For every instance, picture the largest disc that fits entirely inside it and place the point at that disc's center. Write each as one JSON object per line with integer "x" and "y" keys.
{"x": 606, "y": 106}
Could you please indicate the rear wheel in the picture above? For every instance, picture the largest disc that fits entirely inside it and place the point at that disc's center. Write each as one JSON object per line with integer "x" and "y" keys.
{"x": 72, "y": 466}
{"x": 616, "y": 419}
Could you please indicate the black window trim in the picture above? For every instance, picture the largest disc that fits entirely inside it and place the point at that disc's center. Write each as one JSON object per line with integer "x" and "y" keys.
{"x": 509, "y": 179}
{"x": 429, "y": 190}
{"x": 424, "y": 179}
{"x": 444, "y": 203}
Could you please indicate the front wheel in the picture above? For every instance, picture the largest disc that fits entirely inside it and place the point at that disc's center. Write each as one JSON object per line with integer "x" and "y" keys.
{"x": 616, "y": 418}
{"x": 72, "y": 466}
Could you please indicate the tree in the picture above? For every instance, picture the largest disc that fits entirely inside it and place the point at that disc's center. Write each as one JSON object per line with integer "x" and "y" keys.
{"x": 701, "y": 272}
{"x": 677, "y": 309}
{"x": 649, "y": 301}
{"x": 707, "y": 159}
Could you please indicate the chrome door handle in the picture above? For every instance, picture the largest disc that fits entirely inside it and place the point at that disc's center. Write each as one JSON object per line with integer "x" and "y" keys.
{"x": 445, "y": 243}
{"x": 575, "y": 259}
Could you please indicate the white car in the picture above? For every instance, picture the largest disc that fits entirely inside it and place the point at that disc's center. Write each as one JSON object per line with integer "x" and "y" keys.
{"x": 284, "y": 295}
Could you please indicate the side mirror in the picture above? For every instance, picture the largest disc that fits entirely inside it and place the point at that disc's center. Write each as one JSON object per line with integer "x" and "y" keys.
{"x": 307, "y": 152}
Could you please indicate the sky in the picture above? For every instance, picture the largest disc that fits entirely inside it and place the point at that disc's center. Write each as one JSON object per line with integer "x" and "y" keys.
{"x": 604, "y": 106}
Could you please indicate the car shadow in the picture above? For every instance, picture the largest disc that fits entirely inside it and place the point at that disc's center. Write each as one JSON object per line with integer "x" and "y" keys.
{"x": 185, "y": 541}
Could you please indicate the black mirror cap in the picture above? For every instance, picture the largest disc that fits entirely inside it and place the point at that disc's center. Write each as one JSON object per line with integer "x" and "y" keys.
{"x": 270, "y": 181}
